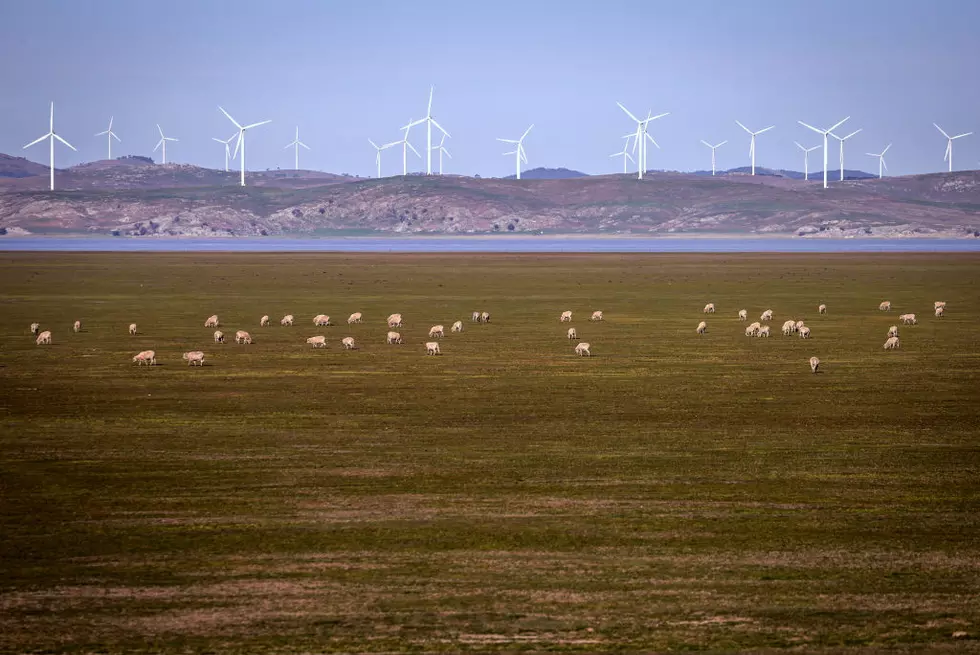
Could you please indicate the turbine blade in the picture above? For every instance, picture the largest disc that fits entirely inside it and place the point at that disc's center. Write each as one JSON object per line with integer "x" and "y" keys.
{"x": 813, "y": 128}
{"x": 441, "y": 128}
{"x": 960, "y": 136}
{"x": 447, "y": 153}
{"x": 229, "y": 117}
{"x": 304, "y": 145}
{"x": 743, "y": 127}
{"x": 217, "y": 139}
{"x": 705, "y": 143}
{"x": 653, "y": 118}
{"x": 38, "y": 140}
{"x": 765, "y": 130}
{"x": 102, "y": 133}
{"x": 532, "y": 125}
{"x": 248, "y": 127}
{"x": 851, "y": 134}
{"x": 654, "y": 141}
{"x": 413, "y": 149}
{"x": 65, "y": 142}
{"x": 372, "y": 143}
{"x": 839, "y": 124}
{"x": 722, "y": 143}
{"x": 110, "y": 123}
{"x": 628, "y": 157}
{"x": 506, "y": 140}
{"x": 799, "y": 146}
{"x": 157, "y": 147}
{"x": 160, "y": 129}
{"x": 238, "y": 143}
{"x": 113, "y": 135}
{"x": 941, "y": 130}
{"x": 628, "y": 112}
{"x": 884, "y": 164}
{"x": 288, "y": 145}
{"x": 886, "y": 149}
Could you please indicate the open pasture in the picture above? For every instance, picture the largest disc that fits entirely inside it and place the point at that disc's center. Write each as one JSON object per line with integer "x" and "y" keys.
{"x": 674, "y": 491}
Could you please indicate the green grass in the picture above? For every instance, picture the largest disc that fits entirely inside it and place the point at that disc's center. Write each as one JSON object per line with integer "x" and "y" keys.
{"x": 672, "y": 492}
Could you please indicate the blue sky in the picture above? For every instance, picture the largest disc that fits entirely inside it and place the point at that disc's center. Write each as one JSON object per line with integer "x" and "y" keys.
{"x": 348, "y": 71}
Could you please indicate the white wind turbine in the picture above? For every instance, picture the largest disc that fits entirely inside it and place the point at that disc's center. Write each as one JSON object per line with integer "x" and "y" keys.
{"x": 405, "y": 146}
{"x": 949, "y": 145}
{"x": 641, "y": 136}
{"x": 163, "y": 142}
{"x": 227, "y": 143}
{"x": 842, "y": 140}
{"x": 625, "y": 154}
{"x": 806, "y": 158}
{"x": 296, "y": 143}
{"x": 377, "y": 158}
{"x": 752, "y": 141}
{"x": 824, "y": 133}
{"x": 51, "y": 135}
{"x": 518, "y": 151}
{"x": 442, "y": 151}
{"x": 713, "y": 148}
{"x": 881, "y": 160}
{"x": 110, "y": 135}
{"x": 429, "y": 122}
{"x": 241, "y": 138}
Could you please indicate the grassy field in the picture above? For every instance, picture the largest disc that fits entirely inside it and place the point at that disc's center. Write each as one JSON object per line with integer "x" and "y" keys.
{"x": 671, "y": 492}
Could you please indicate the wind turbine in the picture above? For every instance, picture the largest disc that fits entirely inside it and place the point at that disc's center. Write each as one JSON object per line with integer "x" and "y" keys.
{"x": 806, "y": 159}
{"x": 377, "y": 159}
{"x": 163, "y": 142}
{"x": 842, "y": 140}
{"x": 51, "y": 135}
{"x": 949, "y": 145}
{"x": 625, "y": 154}
{"x": 881, "y": 159}
{"x": 241, "y": 137}
{"x": 442, "y": 150}
{"x": 519, "y": 150}
{"x": 824, "y": 133}
{"x": 296, "y": 143}
{"x": 405, "y": 146}
{"x": 110, "y": 135}
{"x": 227, "y": 143}
{"x": 641, "y": 137}
{"x": 713, "y": 148}
{"x": 429, "y": 121}
{"x": 752, "y": 141}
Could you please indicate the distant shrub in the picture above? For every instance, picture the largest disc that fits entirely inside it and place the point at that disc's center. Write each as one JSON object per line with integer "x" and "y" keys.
{"x": 3, "y": 231}
{"x": 510, "y": 227}
{"x": 322, "y": 211}
{"x": 496, "y": 228}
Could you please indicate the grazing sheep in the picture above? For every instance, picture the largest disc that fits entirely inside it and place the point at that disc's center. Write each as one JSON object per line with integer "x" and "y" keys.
{"x": 743, "y": 315}
{"x": 354, "y": 318}
{"x": 395, "y": 320}
{"x": 596, "y": 316}
{"x": 436, "y": 331}
{"x": 219, "y": 336}
{"x": 763, "y": 331}
{"x": 938, "y": 304}
{"x": 77, "y": 327}
{"x": 194, "y": 357}
{"x": 822, "y": 309}
{"x": 348, "y": 343}
{"x": 885, "y": 307}
{"x": 457, "y": 327}
{"x": 939, "y": 312}
{"x": 709, "y": 308}
{"x": 317, "y": 342}
{"x": 583, "y": 350}
{"x": 44, "y": 337}
{"x": 147, "y": 357}
{"x": 891, "y": 343}
{"x": 212, "y": 321}
{"x": 476, "y": 317}
{"x": 753, "y": 329}
{"x": 485, "y": 317}
{"x": 799, "y": 325}
{"x": 572, "y": 334}
{"x": 789, "y": 327}
{"x": 702, "y": 327}
{"x": 394, "y": 337}
{"x": 132, "y": 328}
{"x": 432, "y": 348}
{"x": 321, "y": 319}
{"x": 908, "y": 319}
{"x": 35, "y": 328}
{"x": 892, "y": 331}
{"x": 804, "y": 332}
{"x": 286, "y": 320}
{"x": 264, "y": 321}
{"x": 814, "y": 364}
{"x": 566, "y": 317}
{"x": 766, "y": 315}
{"x": 243, "y": 337}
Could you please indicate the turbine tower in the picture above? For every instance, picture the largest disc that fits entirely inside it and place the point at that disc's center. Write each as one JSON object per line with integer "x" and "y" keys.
{"x": 824, "y": 133}
{"x": 162, "y": 142}
{"x": 806, "y": 159}
{"x": 110, "y": 135}
{"x": 881, "y": 160}
{"x": 713, "y": 148}
{"x": 641, "y": 136}
{"x": 442, "y": 151}
{"x": 241, "y": 138}
{"x": 377, "y": 158}
{"x": 518, "y": 151}
{"x": 51, "y": 135}
{"x": 842, "y": 140}
{"x": 752, "y": 141}
{"x": 949, "y": 145}
{"x": 625, "y": 154}
{"x": 429, "y": 121}
{"x": 296, "y": 143}
{"x": 227, "y": 143}
{"x": 405, "y": 146}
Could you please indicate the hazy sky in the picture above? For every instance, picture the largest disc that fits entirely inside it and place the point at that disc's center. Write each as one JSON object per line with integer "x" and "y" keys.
{"x": 348, "y": 71}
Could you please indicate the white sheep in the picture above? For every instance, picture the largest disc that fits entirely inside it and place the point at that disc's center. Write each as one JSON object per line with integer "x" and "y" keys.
{"x": 566, "y": 317}
{"x": 908, "y": 319}
{"x": 753, "y": 329}
{"x": 939, "y": 312}
{"x": 814, "y": 364}
{"x": 436, "y": 331}
{"x": 147, "y": 357}
{"x": 394, "y": 337}
{"x": 194, "y": 357}
{"x": 286, "y": 320}
{"x": 457, "y": 327}
{"x": 891, "y": 343}
{"x": 432, "y": 348}
{"x": 892, "y": 331}
{"x": 789, "y": 327}
{"x": 804, "y": 332}
{"x": 35, "y": 328}
{"x": 321, "y": 319}
{"x": 348, "y": 343}
{"x": 354, "y": 318}
{"x": 885, "y": 306}
{"x": 476, "y": 317}
{"x": 938, "y": 304}
{"x": 596, "y": 316}
{"x": 799, "y": 325}
{"x": 77, "y": 327}
{"x": 44, "y": 337}
{"x": 264, "y": 321}
{"x": 243, "y": 337}
{"x": 395, "y": 320}
{"x": 132, "y": 328}
{"x": 485, "y": 317}
{"x": 709, "y": 308}
{"x": 212, "y": 321}
{"x": 743, "y": 315}
{"x": 572, "y": 334}
{"x": 763, "y": 331}
{"x": 822, "y": 309}
{"x": 219, "y": 336}
{"x": 317, "y": 341}
{"x": 766, "y": 315}
{"x": 702, "y": 327}
{"x": 583, "y": 350}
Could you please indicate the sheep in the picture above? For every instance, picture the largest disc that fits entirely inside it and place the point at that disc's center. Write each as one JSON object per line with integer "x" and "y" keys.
{"x": 219, "y": 336}
{"x": 891, "y": 343}
{"x": 822, "y": 309}
{"x": 799, "y": 325}
{"x": 77, "y": 327}
{"x": 804, "y": 332}
{"x": 243, "y": 337}
{"x": 212, "y": 321}
{"x": 317, "y": 341}
{"x": 436, "y": 331}
{"x": 582, "y": 350}
{"x": 753, "y": 329}
{"x": 194, "y": 357}
{"x": 814, "y": 364}
{"x": 395, "y": 320}
{"x": 393, "y": 337}
{"x": 348, "y": 343}
{"x": 789, "y": 327}
{"x": 566, "y": 317}
{"x": 763, "y": 331}
{"x": 908, "y": 319}
{"x": 321, "y": 319}
{"x": 709, "y": 308}
{"x": 476, "y": 317}
{"x": 743, "y": 315}
{"x": 457, "y": 327}
{"x": 485, "y": 317}
{"x": 132, "y": 328}
{"x": 766, "y": 315}
{"x": 44, "y": 337}
{"x": 939, "y": 312}
{"x": 938, "y": 304}
{"x": 885, "y": 307}
{"x": 354, "y": 318}
{"x": 286, "y": 320}
{"x": 147, "y": 357}
{"x": 432, "y": 348}
{"x": 572, "y": 334}
{"x": 892, "y": 331}
{"x": 596, "y": 316}
{"x": 35, "y": 328}
{"x": 702, "y": 327}
{"x": 264, "y": 321}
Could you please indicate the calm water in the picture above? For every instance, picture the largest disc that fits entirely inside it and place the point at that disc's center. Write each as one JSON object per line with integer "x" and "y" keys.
{"x": 540, "y": 244}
